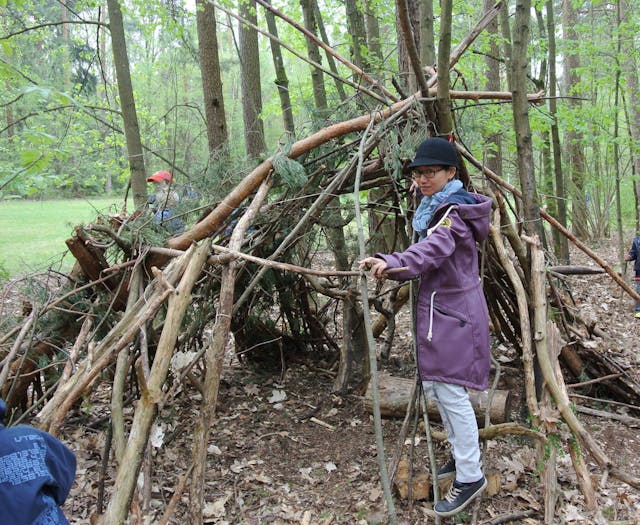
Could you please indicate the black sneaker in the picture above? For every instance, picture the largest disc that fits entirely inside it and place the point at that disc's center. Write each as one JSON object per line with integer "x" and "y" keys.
{"x": 459, "y": 496}
{"x": 447, "y": 470}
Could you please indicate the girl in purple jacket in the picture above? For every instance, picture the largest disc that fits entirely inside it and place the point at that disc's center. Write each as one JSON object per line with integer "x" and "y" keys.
{"x": 452, "y": 321}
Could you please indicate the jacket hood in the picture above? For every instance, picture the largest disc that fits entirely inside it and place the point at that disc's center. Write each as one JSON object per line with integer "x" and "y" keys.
{"x": 476, "y": 215}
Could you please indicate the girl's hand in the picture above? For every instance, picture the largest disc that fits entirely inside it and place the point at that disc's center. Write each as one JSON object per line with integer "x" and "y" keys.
{"x": 376, "y": 266}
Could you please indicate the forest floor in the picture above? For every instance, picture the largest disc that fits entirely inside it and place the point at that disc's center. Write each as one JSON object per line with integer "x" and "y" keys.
{"x": 285, "y": 450}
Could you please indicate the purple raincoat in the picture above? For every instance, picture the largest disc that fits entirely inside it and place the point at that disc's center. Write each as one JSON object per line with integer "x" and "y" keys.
{"x": 452, "y": 325}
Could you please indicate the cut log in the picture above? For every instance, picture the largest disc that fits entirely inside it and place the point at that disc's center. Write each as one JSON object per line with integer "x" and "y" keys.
{"x": 421, "y": 485}
{"x": 395, "y": 392}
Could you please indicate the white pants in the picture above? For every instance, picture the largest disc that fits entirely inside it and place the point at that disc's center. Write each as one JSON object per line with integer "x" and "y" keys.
{"x": 459, "y": 420}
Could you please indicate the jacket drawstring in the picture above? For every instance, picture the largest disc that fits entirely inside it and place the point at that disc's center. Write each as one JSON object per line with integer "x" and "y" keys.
{"x": 430, "y": 333}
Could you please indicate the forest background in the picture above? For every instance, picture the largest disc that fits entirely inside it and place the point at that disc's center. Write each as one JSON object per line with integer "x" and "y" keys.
{"x": 542, "y": 101}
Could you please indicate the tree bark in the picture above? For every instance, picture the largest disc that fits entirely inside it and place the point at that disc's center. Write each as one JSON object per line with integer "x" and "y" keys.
{"x": 561, "y": 244}
{"x": 520, "y": 64}
{"x": 211, "y": 78}
{"x": 250, "y": 79}
{"x": 395, "y": 394}
{"x": 444, "y": 122}
{"x": 357, "y": 33}
{"x": 282, "y": 81}
{"x": 574, "y": 135}
{"x": 128, "y": 105}
{"x": 426, "y": 44}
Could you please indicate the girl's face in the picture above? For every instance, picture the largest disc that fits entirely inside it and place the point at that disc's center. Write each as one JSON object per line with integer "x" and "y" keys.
{"x": 431, "y": 179}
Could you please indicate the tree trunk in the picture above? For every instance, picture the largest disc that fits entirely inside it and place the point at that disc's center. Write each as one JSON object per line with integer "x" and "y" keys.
{"x": 128, "y": 105}
{"x": 282, "y": 81}
{"x": 317, "y": 80}
{"x": 405, "y": 72}
{"x": 250, "y": 76}
{"x": 493, "y": 140}
{"x": 356, "y": 28}
{"x": 211, "y": 78}
{"x": 560, "y": 242}
{"x": 505, "y": 29}
{"x": 330, "y": 60}
{"x": 395, "y": 394}
{"x": 574, "y": 136}
{"x": 426, "y": 43}
{"x": 521, "y": 119}
{"x": 444, "y": 123}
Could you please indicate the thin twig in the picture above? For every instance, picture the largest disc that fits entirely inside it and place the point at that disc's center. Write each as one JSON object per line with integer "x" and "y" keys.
{"x": 375, "y": 395}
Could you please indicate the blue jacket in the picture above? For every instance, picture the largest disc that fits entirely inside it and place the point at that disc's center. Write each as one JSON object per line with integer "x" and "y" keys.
{"x": 452, "y": 320}
{"x": 36, "y": 474}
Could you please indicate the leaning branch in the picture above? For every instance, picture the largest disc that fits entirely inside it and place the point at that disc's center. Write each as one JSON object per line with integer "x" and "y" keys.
{"x": 552, "y": 221}
{"x": 359, "y": 72}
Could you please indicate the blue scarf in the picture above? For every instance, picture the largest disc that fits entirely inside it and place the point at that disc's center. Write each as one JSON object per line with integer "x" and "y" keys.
{"x": 428, "y": 206}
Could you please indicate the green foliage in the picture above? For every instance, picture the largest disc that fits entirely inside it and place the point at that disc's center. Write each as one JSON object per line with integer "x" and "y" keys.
{"x": 290, "y": 171}
{"x": 64, "y": 135}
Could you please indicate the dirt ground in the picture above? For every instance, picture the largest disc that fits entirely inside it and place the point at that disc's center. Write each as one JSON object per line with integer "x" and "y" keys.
{"x": 286, "y": 450}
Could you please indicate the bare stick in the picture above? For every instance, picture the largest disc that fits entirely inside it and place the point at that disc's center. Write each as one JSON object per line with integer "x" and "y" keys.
{"x": 214, "y": 358}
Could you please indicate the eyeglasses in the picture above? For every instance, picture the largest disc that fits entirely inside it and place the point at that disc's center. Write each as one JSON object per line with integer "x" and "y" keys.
{"x": 427, "y": 174}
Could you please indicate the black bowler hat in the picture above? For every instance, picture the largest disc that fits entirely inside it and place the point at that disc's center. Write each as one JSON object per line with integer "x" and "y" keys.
{"x": 435, "y": 152}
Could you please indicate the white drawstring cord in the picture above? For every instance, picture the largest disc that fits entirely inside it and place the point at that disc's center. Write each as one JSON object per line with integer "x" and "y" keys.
{"x": 430, "y": 334}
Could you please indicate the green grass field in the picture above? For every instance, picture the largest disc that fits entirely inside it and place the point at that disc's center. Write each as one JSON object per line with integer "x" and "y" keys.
{"x": 33, "y": 232}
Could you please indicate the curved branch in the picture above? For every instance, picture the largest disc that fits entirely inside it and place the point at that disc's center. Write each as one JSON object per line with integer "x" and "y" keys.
{"x": 50, "y": 24}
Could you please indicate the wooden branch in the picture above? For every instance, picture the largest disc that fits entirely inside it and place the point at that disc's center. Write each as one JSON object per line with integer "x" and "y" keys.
{"x": 17, "y": 344}
{"x": 562, "y": 401}
{"x": 627, "y": 420}
{"x": 284, "y": 266}
{"x": 575, "y": 270}
{"x": 175, "y": 498}
{"x": 52, "y": 414}
{"x": 523, "y": 311}
{"x": 145, "y": 413}
{"x": 597, "y": 380}
{"x": 499, "y": 430}
{"x": 553, "y": 222}
{"x": 214, "y": 358}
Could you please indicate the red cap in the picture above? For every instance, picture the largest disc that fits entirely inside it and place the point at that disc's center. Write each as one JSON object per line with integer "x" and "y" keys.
{"x": 159, "y": 176}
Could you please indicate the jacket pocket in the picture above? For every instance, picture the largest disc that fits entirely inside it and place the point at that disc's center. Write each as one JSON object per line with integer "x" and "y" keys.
{"x": 453, "y": 315}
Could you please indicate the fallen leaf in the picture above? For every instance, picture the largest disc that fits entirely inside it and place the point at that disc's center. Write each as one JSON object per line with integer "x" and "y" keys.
{"x": 277, "y": 396}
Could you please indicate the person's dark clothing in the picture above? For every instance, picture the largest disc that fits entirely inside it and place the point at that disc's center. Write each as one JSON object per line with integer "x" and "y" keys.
{"x": 36, "y": 474}
{"x": 634, "y": 255}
